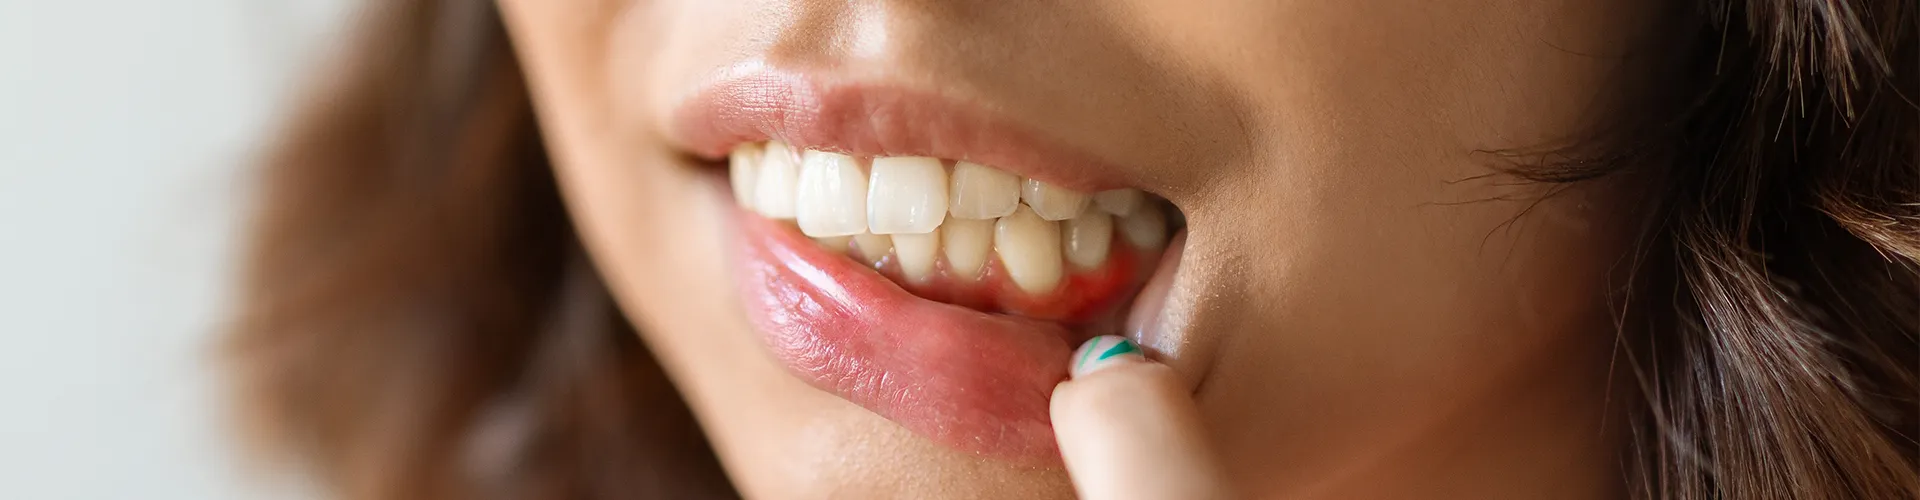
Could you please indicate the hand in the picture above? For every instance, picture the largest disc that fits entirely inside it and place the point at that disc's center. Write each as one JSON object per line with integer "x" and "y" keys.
{"x": 1128, "y": 428}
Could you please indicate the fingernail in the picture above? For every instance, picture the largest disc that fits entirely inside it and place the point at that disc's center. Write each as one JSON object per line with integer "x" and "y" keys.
{"x": 1101, "y": 352}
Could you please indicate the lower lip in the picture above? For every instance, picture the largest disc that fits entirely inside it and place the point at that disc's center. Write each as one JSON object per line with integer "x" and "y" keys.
{"x": 963, "y": 378}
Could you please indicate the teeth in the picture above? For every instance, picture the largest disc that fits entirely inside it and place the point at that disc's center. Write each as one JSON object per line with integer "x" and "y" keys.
{"x": 1052, "y": 202}
{"x": 872, "y": 248}
{"x": 898, "y": 208}
{"x": 1120, "y": 202}
{"x": 916, "y": 254}
{"x": 835, "y": 243}
{"x": 966, "y": 243}
{"x": 1087, "y": 238}
{"x": 773, "y": 190}
{"x": 1146, "y": 228}
{"x": 907, "y": 195}
{"x": 1029, "y": 247}
{"x": 743, "y": 169}
{"x": 981, "y": 192}
{"x": 831, "y": 200}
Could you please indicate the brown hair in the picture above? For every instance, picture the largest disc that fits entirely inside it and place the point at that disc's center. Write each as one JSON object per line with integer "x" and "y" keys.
{"x": 419, "y": 323}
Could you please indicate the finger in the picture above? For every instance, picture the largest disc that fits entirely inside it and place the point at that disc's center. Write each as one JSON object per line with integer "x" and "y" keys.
{"x": 1128, "y": 428}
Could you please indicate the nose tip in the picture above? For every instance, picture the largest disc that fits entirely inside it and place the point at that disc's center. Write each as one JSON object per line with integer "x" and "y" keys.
{"x": 890, "y": 33}
{"x": 810, "y": 28}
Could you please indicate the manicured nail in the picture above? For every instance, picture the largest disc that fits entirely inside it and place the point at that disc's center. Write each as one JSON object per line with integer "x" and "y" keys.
{"x": 1101, "y": 352}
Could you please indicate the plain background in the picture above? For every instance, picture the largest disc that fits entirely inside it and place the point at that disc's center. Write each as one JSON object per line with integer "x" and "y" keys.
{"x": 125, "y": 129}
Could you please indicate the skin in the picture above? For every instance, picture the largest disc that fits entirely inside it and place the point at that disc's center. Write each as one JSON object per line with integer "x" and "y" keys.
{"x": 1127, "y": 430}
{"x": 1353, "y": 316}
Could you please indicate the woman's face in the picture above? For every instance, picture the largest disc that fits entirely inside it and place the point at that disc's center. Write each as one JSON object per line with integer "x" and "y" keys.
{"x": 1361, "y": 310}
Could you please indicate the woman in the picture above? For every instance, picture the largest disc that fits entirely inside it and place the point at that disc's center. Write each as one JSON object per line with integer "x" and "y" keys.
{"x": 1392, "y": 248}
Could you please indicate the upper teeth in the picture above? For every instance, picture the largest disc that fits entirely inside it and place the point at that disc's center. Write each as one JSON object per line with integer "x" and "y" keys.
{"x": 906, "y": 195}
{"x": 828, "y": 200}
{"x": 1118, "y": 201}
{"x": 1052, "y": 202}
{"x": 981, "y": 192}
{"x": 773, "y": 189}
{"x": 831, "y": 196}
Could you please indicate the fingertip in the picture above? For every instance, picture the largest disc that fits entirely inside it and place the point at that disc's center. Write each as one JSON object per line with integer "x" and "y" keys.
{"x": 1110, "y": 373}
{"x": 1120, "y": 385}
{"x": 1128, "y": 424}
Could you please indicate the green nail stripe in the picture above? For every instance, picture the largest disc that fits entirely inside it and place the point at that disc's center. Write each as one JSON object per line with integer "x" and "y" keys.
{"x": 1087, "y": 357}
{"x": 1083, "y": 357}
{"x": 1125, "y": 346}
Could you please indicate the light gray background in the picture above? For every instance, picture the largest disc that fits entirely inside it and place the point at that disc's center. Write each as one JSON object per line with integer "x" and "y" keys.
{"x": 125, "y": 126}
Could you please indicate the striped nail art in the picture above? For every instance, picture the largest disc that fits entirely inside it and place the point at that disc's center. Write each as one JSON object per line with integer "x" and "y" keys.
{"x": 1101, "y": 352}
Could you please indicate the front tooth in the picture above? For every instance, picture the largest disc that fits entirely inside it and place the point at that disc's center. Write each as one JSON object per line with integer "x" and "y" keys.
{"x": 916, "y": 254}
{"x": 872, "y": 248}
{"x": 982, "y": 192}
{"x": 743, "y": 169}
{"x": 779, "y": 175}
{"x": 1087, "y": 238}
{"x": 831, "y": 200}
{"x": 1146, "y": 228}
{"x": 1029, "y": 247}
{"x": 1121, "y": 202}
{"x": 1052, "y": 202}
{"x": 907, "y": 195}
{"x": 966, "y": 243}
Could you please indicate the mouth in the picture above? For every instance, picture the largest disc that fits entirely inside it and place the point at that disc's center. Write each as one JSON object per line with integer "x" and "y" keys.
{"x": 922, "y": 257}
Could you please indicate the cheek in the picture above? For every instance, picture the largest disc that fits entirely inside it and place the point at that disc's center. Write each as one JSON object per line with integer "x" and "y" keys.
{"x": 635, "y": 203}
{"x": 1370, "y": 240}
{"x": 1368, "y": 286}
{"x": 645, "y": 216}
{"x": 1352, "y": 328}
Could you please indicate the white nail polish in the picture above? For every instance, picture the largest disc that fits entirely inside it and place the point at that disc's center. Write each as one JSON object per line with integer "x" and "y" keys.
{"x": 1103, "y": 352}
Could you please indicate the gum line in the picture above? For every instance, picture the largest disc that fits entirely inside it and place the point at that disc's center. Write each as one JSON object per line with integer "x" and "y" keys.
{"x": 1084, "y": 296}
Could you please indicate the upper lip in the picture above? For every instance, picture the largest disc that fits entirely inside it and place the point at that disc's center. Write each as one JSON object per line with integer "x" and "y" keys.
{"x": 753, "y": 102}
